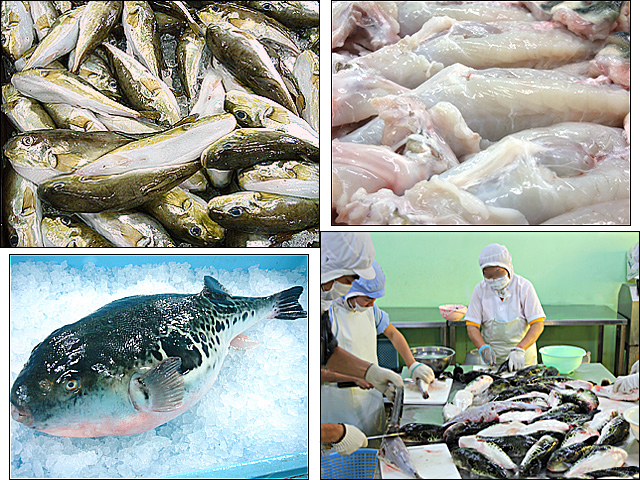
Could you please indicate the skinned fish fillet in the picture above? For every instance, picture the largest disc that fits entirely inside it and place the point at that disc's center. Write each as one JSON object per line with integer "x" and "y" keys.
{"x": 368, "y": 25}
{"x": 616, "y": 212}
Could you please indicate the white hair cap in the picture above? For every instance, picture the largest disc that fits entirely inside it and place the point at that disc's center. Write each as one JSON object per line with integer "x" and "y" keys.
{"x": 495, "y": 255}
{"x": 344, "y": 253}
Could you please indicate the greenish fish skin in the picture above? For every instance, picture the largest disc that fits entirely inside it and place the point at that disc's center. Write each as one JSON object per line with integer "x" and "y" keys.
{"x": 96, "y": 71}
{"x": 141, "y": 30}
{"x": 246, "y": 147}
{"x": 22, "y": 210}
{"x": 562, "y": 458}
{"x": 184, "y": 215}
{"x": 139, "y": 361}
{"x": 143, "y": 89}
{"x": 96, "y": 23}
{"x": 537, "y": 456}
{"x": 169, "y": 24}
{"x": 124, "y": 191}
{"x": 298, "y": 14}
{"x": 59, "y": 86}
{"x": 614, "y": 432}
{"x": 244, "y": 56}
{"x": 17, "y": 29}
{"x": 255, "y": 111}
{"x": 44, "y": 15}
{"x": 285, "y": 177}
{"x": 74, "y": 118}
{"x": 43, "y": 154}
{"x": 64, "y": 231}
{"x": 62, "y": 38}
{"x": 476, "y": 462}
{"x": 263, "y": 212}
{"x": 189, "y": 55}
{"x": 24, "y": 113}
{"x": 128, "y": 229}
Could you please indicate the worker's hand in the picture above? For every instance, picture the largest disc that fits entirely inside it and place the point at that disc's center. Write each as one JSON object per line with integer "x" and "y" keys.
{"x": 516, "y": 359}
{"x": 363, "y": 384}
{"x": 634, "y": 368}
{"x": 487, "y": 354}
{"x": 626, "y": 383}
{"x": 421, "y": 371}
{"x": 384, "y": 380}
{"x": 353, "y": 440}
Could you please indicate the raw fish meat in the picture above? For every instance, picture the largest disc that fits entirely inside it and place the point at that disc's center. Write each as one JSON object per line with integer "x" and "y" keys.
{"x": 616, "y": 212}
{"x": 368, "y": 25}
{"x": 614, "y": 60}
{"x": 412, "y": 15}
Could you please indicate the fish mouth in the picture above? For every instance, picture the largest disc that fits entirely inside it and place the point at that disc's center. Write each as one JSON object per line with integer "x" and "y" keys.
{"x": 22, "y": 416}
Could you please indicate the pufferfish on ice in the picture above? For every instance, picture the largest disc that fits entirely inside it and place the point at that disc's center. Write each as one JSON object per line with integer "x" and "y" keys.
{"x": 137, "y": 362}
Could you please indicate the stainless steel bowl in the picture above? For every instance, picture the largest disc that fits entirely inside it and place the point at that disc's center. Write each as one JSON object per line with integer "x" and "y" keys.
{"x": 438, "y": 358}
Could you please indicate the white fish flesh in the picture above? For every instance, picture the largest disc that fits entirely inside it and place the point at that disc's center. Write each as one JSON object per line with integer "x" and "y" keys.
{"x": 502, "y": 430}
{"x": 614, "y": 60}
{"x": 524, "y": 417}
{"x": 609, "y": 393}
{"x": 394, "y": 452}
{"x": 602, "y": 418}
{"x": 450, "y": 411}
{"x": 307, "y": 72}
{"x": 544, "y": 425}
{"x": 412, "y": 15}
{"x": 579, "y": 435}
{"x": 489, "y": 449}
{"x": 211, "y": 97}
{"x": 479, "y": 385}
{"x": 368, "y": 25}
{"x": 599, "y": 459}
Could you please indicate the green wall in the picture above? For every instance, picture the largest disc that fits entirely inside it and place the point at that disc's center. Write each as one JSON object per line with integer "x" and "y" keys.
{"x": 427, "y": 269}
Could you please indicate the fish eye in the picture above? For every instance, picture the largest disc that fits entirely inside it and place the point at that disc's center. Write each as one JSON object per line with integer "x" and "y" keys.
{"x": 267, "y": 6}
{"x": 66, "y": 221}
{"x": 14, "y": 239}
{"x": 215, "y": 8}
{"x": 28, "y": 141}
{"x": 187, "y": 204}
{"x": 235, "y": 211}
{"x": 227, "y": 146}
{"x": 113, "y": 83}
{"x": 195, "y": 231}
{"x": 241, "y": 115}
{"x": 72, "y": 385}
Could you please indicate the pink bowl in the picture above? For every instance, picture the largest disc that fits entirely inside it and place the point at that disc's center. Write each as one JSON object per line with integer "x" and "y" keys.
{"x": 453, "y": 312}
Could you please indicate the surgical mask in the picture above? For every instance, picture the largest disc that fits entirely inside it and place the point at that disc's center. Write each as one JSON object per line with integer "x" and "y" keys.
{"x": 337, "y": 290}
{"x": 498, "y": 283}
{"x": 361, "y": 309}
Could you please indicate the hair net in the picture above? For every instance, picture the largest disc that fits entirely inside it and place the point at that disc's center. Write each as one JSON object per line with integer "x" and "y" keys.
{"x": 495, "y": 255}
{"x": 373, "y": 288}
{"x": 346, "y": 254}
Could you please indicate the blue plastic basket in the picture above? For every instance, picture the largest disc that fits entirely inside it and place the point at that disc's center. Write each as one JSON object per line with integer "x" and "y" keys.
{"x": 360, "y": 464}
{"x": 387, "y": 355}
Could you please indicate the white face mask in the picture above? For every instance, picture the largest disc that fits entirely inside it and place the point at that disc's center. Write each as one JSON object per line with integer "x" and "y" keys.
{"x": 357, "y": 307}
{"x": 497, "y": 283}
{"x": 337, "y": 290}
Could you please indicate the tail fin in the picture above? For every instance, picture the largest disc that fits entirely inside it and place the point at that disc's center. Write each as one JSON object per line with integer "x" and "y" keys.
{"x": 287, "y": 306}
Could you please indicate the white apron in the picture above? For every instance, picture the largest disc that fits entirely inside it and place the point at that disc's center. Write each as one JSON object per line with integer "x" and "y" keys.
{"x": 503, "y": 336}
{"x": 356, "y": 333}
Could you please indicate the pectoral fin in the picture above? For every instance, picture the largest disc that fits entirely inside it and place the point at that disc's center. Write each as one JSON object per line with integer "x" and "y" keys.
{"x": 242, "y": 342}
{"x": 160, "y": 389}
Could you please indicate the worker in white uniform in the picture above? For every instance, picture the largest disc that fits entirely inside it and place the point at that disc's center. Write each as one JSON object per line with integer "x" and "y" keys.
{"x": 504, "y": 317}
{"x": 627, "y": 383}
{"x": 356, "y": 322}
{"x": 345, "y": 257}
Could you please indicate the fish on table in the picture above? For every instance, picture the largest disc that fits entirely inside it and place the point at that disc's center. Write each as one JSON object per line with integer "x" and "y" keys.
{"x": 137, "y": 362}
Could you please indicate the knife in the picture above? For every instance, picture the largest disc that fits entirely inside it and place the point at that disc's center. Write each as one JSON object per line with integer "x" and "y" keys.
{"x": 386, "y": 435}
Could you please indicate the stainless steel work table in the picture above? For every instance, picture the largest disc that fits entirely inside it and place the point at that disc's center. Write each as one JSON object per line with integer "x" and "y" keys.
{"x": 577, "y": 315}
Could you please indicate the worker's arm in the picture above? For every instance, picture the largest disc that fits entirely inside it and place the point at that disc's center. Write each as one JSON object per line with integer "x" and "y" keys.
{"x": 400, "y": 344}
{"x": 328, "y": 376}
{"x": 331, "y": 432}
{"x": 475, "y": 336}
{"x": 535, "y": 330}
{"x": 343, "y": 362}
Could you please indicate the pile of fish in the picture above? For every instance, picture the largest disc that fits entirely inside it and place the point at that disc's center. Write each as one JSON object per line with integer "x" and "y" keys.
{"x": 161, "y": 123}
{"x": 503, "y": 113}
{"x": 532, "y": 423}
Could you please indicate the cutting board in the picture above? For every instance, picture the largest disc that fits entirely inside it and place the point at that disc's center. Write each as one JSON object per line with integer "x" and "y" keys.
{"x": 438, "y": 393}
{"x": 431, "y": 461}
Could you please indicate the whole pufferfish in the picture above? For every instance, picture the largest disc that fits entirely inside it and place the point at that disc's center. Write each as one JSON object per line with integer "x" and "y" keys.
{"x": 137, "y": 362}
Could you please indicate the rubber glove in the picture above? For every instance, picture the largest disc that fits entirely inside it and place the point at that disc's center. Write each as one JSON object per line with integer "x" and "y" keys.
{"x": 422, "y": 371}
{"x": 487, "y": 354}
{"x": 384, "y": 380}
{"x": 634, "y": 368}
{"x": 353, "y": 440}
{"x": 626, "y": 383}
{"x": 516, "y": 359}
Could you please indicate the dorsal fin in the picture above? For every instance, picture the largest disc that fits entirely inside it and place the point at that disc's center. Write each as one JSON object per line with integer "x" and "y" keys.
{"x": 213, "y": 288}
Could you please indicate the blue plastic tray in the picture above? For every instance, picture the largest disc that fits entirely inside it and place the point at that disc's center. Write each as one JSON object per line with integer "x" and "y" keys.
{"x": 360, "y": 464}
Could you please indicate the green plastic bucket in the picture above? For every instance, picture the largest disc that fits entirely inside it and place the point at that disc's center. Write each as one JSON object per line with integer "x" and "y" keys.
{"x": 564, "y": 357}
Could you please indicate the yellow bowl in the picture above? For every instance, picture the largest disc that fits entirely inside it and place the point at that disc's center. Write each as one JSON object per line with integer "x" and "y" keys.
{"x": 453, "y": 312}
{"x": 631, "y": 416}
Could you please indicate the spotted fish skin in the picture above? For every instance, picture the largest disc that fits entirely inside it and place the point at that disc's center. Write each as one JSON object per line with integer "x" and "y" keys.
{"x": 137, "y": 362}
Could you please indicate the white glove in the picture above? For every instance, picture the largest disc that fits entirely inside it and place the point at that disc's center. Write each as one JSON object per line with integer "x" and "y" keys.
{"x": 353, "y": 440}
{"x": 381, "y": 378}
{"x": 634, "y": 368}
{"x": 516, "y": 359}
{"x": 421, "y": 371}
{"x": 626, "y": 383}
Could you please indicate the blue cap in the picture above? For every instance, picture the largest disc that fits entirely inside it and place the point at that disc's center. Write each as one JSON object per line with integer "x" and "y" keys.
{"x": 373, "y": 288}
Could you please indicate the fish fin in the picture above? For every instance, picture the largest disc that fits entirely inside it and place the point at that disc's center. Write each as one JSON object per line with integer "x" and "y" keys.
{"x": 160, "y": 389}
{"x": 186, "y": 120}
{"x": 242, "y": 342}
{"x": 214, "y": 289}
{"x": 287, "y": 306}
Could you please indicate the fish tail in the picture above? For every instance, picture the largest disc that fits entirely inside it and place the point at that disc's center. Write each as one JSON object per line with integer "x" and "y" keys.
{"x": 287, "y": 306}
